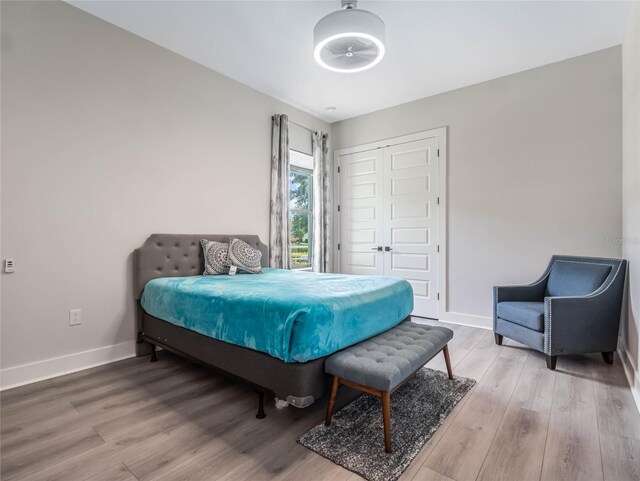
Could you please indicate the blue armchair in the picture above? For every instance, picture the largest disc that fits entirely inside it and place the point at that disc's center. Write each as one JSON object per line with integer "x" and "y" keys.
{"x": 573, "y": 308}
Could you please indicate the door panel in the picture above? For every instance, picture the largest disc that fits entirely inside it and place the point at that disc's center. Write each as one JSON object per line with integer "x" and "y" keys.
{"x": 411, "y": 209}
{"x": 361, "y": 213}
{"x": 410, "y": 219}
{"x": 409, "y": 235}
{"x": 409, "y": 262}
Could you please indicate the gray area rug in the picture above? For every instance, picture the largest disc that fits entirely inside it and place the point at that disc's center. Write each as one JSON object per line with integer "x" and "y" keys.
{"x": 355, "y": 439}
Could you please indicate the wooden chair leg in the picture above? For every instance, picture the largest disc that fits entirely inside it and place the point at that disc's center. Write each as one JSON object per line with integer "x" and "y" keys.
{"x": 445, "y": 351}
{"x": 386, "y": 417}
{"x": 332, "y": 400}
{"x": 551, "y": 362}
{"x": 608, "y": 357}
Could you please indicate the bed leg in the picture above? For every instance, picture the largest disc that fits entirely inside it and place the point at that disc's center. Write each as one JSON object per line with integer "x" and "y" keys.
{"x": 261, "y": 414}
{"x": 154, "y": 358}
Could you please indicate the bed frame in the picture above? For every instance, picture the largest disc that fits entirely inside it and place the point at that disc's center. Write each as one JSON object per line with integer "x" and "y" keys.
{"x": 177, "y": 255}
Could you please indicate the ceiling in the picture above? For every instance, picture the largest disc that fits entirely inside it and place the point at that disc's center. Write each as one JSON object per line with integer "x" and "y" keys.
{"x": 432, "y": 47}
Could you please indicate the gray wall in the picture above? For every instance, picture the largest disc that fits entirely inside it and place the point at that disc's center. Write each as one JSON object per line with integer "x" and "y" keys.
{"x": 535, "y": 169}
{"x": 107, "y": 138}
{"x": 631, "y": 191}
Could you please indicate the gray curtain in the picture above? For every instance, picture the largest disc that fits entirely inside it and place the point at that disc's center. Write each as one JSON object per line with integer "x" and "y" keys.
{"x": 321, "y": 258}
{"x": 279, "y": 231}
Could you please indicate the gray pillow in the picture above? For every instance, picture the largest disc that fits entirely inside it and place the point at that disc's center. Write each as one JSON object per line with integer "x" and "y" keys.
{"x": 215, "y": 257}
{"x": 244, "y": 257}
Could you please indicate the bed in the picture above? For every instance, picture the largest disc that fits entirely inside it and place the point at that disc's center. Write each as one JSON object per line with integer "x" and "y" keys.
{"x": 273, "y": 330}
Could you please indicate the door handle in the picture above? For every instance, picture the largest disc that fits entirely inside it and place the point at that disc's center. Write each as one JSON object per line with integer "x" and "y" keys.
{"x": 387, "y": 249}
{"x": 379, "y": 248}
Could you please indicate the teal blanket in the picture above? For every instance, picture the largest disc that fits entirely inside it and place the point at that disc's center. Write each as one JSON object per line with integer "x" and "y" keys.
{"x": 294, "y": 316}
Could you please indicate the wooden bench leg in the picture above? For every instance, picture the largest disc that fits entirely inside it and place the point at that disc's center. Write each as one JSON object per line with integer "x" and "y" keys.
{"x": 445, "y": 351}
{"x": 386, "y": 417}
{"x": 332, "y": 400}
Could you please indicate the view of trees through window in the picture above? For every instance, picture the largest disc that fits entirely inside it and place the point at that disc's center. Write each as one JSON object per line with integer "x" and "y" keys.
{"x": 301, "y": 217}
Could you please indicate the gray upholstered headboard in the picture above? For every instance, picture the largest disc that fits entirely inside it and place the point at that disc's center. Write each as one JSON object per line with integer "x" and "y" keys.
{"x": 176, "y": 255}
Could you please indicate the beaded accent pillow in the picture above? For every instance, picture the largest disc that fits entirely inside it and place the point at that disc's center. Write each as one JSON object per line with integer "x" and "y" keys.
{"x": 244, "y": 257}
{"x": 215, "y": 257}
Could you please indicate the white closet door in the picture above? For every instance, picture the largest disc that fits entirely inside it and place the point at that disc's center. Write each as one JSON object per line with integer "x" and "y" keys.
{"x": 410, "y": 219}
{"x": 361, "y": 213}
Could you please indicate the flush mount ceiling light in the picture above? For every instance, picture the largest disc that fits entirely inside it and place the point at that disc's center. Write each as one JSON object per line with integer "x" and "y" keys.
{"x": 349, "y": 40}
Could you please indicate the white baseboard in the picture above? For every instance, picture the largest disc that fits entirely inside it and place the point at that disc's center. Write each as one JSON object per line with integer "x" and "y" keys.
{"x": 632, "y": 376}
{"x": 40, "y": 370}
{"x": 470, "y": 320}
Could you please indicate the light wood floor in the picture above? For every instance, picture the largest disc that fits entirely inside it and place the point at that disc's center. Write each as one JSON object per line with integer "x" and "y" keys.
{"x": 171, "y": 420}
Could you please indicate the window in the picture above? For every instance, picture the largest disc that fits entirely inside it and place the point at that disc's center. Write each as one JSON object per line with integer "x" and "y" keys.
{"x": 301, "y": 209}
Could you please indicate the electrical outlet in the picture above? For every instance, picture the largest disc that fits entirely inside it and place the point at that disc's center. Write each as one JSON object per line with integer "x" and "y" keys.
{"x": 75, "y": 317}
{"x": 9, "y": 266}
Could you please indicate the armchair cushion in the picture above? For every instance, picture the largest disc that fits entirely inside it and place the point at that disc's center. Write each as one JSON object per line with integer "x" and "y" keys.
{"x": 569, "y": 278}
{"x": 525, "y": 314}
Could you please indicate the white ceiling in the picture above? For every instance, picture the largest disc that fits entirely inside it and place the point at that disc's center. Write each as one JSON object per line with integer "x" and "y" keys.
{"x": 432, "y": 47}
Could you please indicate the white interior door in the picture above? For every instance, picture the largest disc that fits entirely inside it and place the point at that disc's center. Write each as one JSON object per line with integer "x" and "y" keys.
{"x": 410, "y": 218}
{"x": 361, "y": 214}
{"x": 389, "y": 217}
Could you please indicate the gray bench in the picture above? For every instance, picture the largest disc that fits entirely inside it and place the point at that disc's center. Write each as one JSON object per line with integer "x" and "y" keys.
{"x": 381, "y": 364}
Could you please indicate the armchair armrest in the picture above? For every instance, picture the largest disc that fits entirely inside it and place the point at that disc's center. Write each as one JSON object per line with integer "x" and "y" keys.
{"x": 579, "y": 324}
{"x": 531, "y": 292}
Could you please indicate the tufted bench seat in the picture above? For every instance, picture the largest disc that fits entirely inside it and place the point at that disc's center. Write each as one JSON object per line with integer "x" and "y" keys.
{"x": 382, "y": 363}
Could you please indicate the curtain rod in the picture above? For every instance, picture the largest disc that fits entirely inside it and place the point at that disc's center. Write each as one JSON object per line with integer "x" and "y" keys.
{"x": 301, "y": 126}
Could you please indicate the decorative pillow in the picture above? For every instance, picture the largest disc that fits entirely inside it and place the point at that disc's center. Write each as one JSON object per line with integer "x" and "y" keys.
{"x": 244, "y": 257}
{"x": 215, "y": 257}
{"x": 575, "y": 278}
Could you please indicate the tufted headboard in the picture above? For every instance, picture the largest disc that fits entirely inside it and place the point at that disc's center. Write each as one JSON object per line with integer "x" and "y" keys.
{"x": 176, "y": 255}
